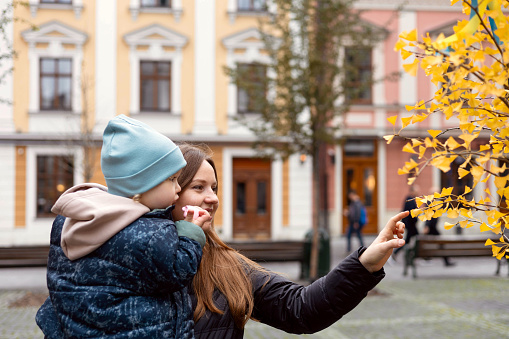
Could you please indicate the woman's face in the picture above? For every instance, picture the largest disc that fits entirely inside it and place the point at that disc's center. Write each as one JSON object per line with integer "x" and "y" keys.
{"x": 200, "y": 192}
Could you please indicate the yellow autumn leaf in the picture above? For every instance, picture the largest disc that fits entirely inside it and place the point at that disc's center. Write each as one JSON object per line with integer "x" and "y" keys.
{"x": 463, "y": 223}
{"x": 393, "y": 119}
{"x": 467, "y": 190}
{"x": 500, "y": 182}
{"x": 399, "y": 45}
{"x": 451, "y": 143}
{"x": 415, "y": 212}
{"x": 434, "y": 132}
{"x": 412, "y": 68}
{"x": 489, "y": 242}
{"x": 446, "y": 191}
{"x": 477, "y": 172}
{"x": 410, "y": 36}
{"x": 389, "y": 138}
{"x": 453, "y": 214}
{"x": 408, "y": 148}
{"x": 406, "y": 121}
{"x": 466, "y": 213}
{"x": 484, "y": 227}
{"x": 405, "y": 54}
{"x": 448, "y": 225}
{"x": 419, "y": 118}
{"x": 462, "y": 172}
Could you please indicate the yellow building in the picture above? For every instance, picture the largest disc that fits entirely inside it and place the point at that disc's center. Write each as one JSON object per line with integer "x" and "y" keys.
{"x": 162, "y": 62}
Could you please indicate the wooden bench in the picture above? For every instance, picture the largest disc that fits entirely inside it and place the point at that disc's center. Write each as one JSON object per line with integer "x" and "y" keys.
{"x": 24, "y": 256}
{"x": 270, "y": 251}
{"x": 436, "y": 246}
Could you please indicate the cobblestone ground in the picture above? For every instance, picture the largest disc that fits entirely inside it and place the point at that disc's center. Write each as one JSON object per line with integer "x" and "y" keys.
{"x": 435, "y": 308}
{"x": 425, "y": 308}
{"x": 17, "y": 322}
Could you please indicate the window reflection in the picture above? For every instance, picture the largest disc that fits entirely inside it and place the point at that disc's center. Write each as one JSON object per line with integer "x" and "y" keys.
{"x": 369, "y": 186}
{"x": 261, "y": 201}
{"x": 241, "y": 198}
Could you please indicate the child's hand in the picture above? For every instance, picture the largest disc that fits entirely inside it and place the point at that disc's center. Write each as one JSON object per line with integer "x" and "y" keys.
{"x": 197, "y": 216}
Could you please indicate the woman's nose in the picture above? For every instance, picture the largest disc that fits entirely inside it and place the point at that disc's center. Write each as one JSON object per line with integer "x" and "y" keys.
{"x": 211, "y": 198}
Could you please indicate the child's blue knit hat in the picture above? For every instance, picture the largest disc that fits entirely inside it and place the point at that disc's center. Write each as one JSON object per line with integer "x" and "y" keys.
{"x": 136, "y": 158}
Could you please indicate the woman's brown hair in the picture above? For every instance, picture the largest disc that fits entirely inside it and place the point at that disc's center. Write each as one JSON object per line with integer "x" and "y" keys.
{"x": 221, "y": 267}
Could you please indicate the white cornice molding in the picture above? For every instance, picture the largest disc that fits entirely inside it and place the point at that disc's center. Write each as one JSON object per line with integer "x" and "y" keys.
{"x": 68, "y": 35}
{"x": 143, "y": 37}
{"x": 76, "y": 6}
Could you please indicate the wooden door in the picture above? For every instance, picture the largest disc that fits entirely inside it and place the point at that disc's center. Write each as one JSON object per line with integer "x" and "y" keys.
{"x": 251, "y": 198}
{"x": 360, "y": 174}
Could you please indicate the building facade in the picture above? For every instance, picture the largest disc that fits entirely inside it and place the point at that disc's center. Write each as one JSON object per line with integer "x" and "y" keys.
{"x": 162, "y": 62}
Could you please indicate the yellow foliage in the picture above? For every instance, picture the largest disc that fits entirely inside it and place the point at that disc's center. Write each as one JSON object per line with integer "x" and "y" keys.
{"x": 474, "y": 91}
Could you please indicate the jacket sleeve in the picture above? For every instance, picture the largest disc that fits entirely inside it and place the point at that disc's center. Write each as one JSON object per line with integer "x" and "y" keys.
{"x": 170, "y": 260}
{"x": 47, "y": 320}
{"x": 293, "y": 308}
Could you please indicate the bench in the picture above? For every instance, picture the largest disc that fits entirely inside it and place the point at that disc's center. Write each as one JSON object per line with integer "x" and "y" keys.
{"x": 270, "y": 251}
{"x": 24, "y": 256}
{"x": 439, "y": 246}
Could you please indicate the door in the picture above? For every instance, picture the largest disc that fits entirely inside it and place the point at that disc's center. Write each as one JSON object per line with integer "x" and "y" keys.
{"x": 360, "y": 174}
{"x": 251, "y": 198}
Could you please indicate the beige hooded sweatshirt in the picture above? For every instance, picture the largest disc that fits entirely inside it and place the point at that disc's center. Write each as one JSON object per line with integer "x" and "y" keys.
{"x": 93, "y": 216}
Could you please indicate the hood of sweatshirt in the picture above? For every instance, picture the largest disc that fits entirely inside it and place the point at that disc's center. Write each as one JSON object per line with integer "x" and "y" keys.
{"x": 93, "y": 216}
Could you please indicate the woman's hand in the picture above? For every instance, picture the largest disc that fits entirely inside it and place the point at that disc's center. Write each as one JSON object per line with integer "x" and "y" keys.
{"x": 391, "y": 237}
{"x": 197, "y": 216}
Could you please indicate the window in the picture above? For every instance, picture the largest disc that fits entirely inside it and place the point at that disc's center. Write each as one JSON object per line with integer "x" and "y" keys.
{"x": 359, "y": 72}
{"x": 56, "y": 84}
{"x": 56, "y": 1}
{"x": 451, "y": 179}
{"x": 252, "y": 6}
{"x": 54, "y": 176}
{"x": 155, "y": 89}
{"x": 156, "y": 3}
{"x": 251, "y": 86}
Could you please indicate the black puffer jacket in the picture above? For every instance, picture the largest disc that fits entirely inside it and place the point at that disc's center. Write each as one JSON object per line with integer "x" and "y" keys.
{"x": 294, "y": 308}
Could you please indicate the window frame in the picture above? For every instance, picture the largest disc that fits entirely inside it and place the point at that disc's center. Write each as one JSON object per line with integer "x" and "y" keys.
{"x": 59, "y": 174}
{"x": 155, "y": 80}
{"x": 57, "y": 2}
{"x": 56, "y": 76}
{"x": 360, "y": 69}
{"x": 32, "y": 221}
{"x": 251, "y": 8}
{"x": 251, "y": 97}
{"x": 158, "y": 5}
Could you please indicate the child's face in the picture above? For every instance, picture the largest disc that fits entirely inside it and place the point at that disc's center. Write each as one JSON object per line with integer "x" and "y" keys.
{"x": 163, "y": 195}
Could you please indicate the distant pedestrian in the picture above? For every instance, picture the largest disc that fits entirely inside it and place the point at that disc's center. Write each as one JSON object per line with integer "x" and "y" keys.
{"x": 430, "y": 228}
{"x": 409, "y": 221}
{"x": 355, "y": 209}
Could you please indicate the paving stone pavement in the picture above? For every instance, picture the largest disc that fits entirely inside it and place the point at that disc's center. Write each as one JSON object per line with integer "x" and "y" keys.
{"x": 463, "y": 301}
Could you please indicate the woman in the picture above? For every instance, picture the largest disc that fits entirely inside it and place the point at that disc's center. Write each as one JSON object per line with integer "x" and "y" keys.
{"x": 229, "y": 289}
